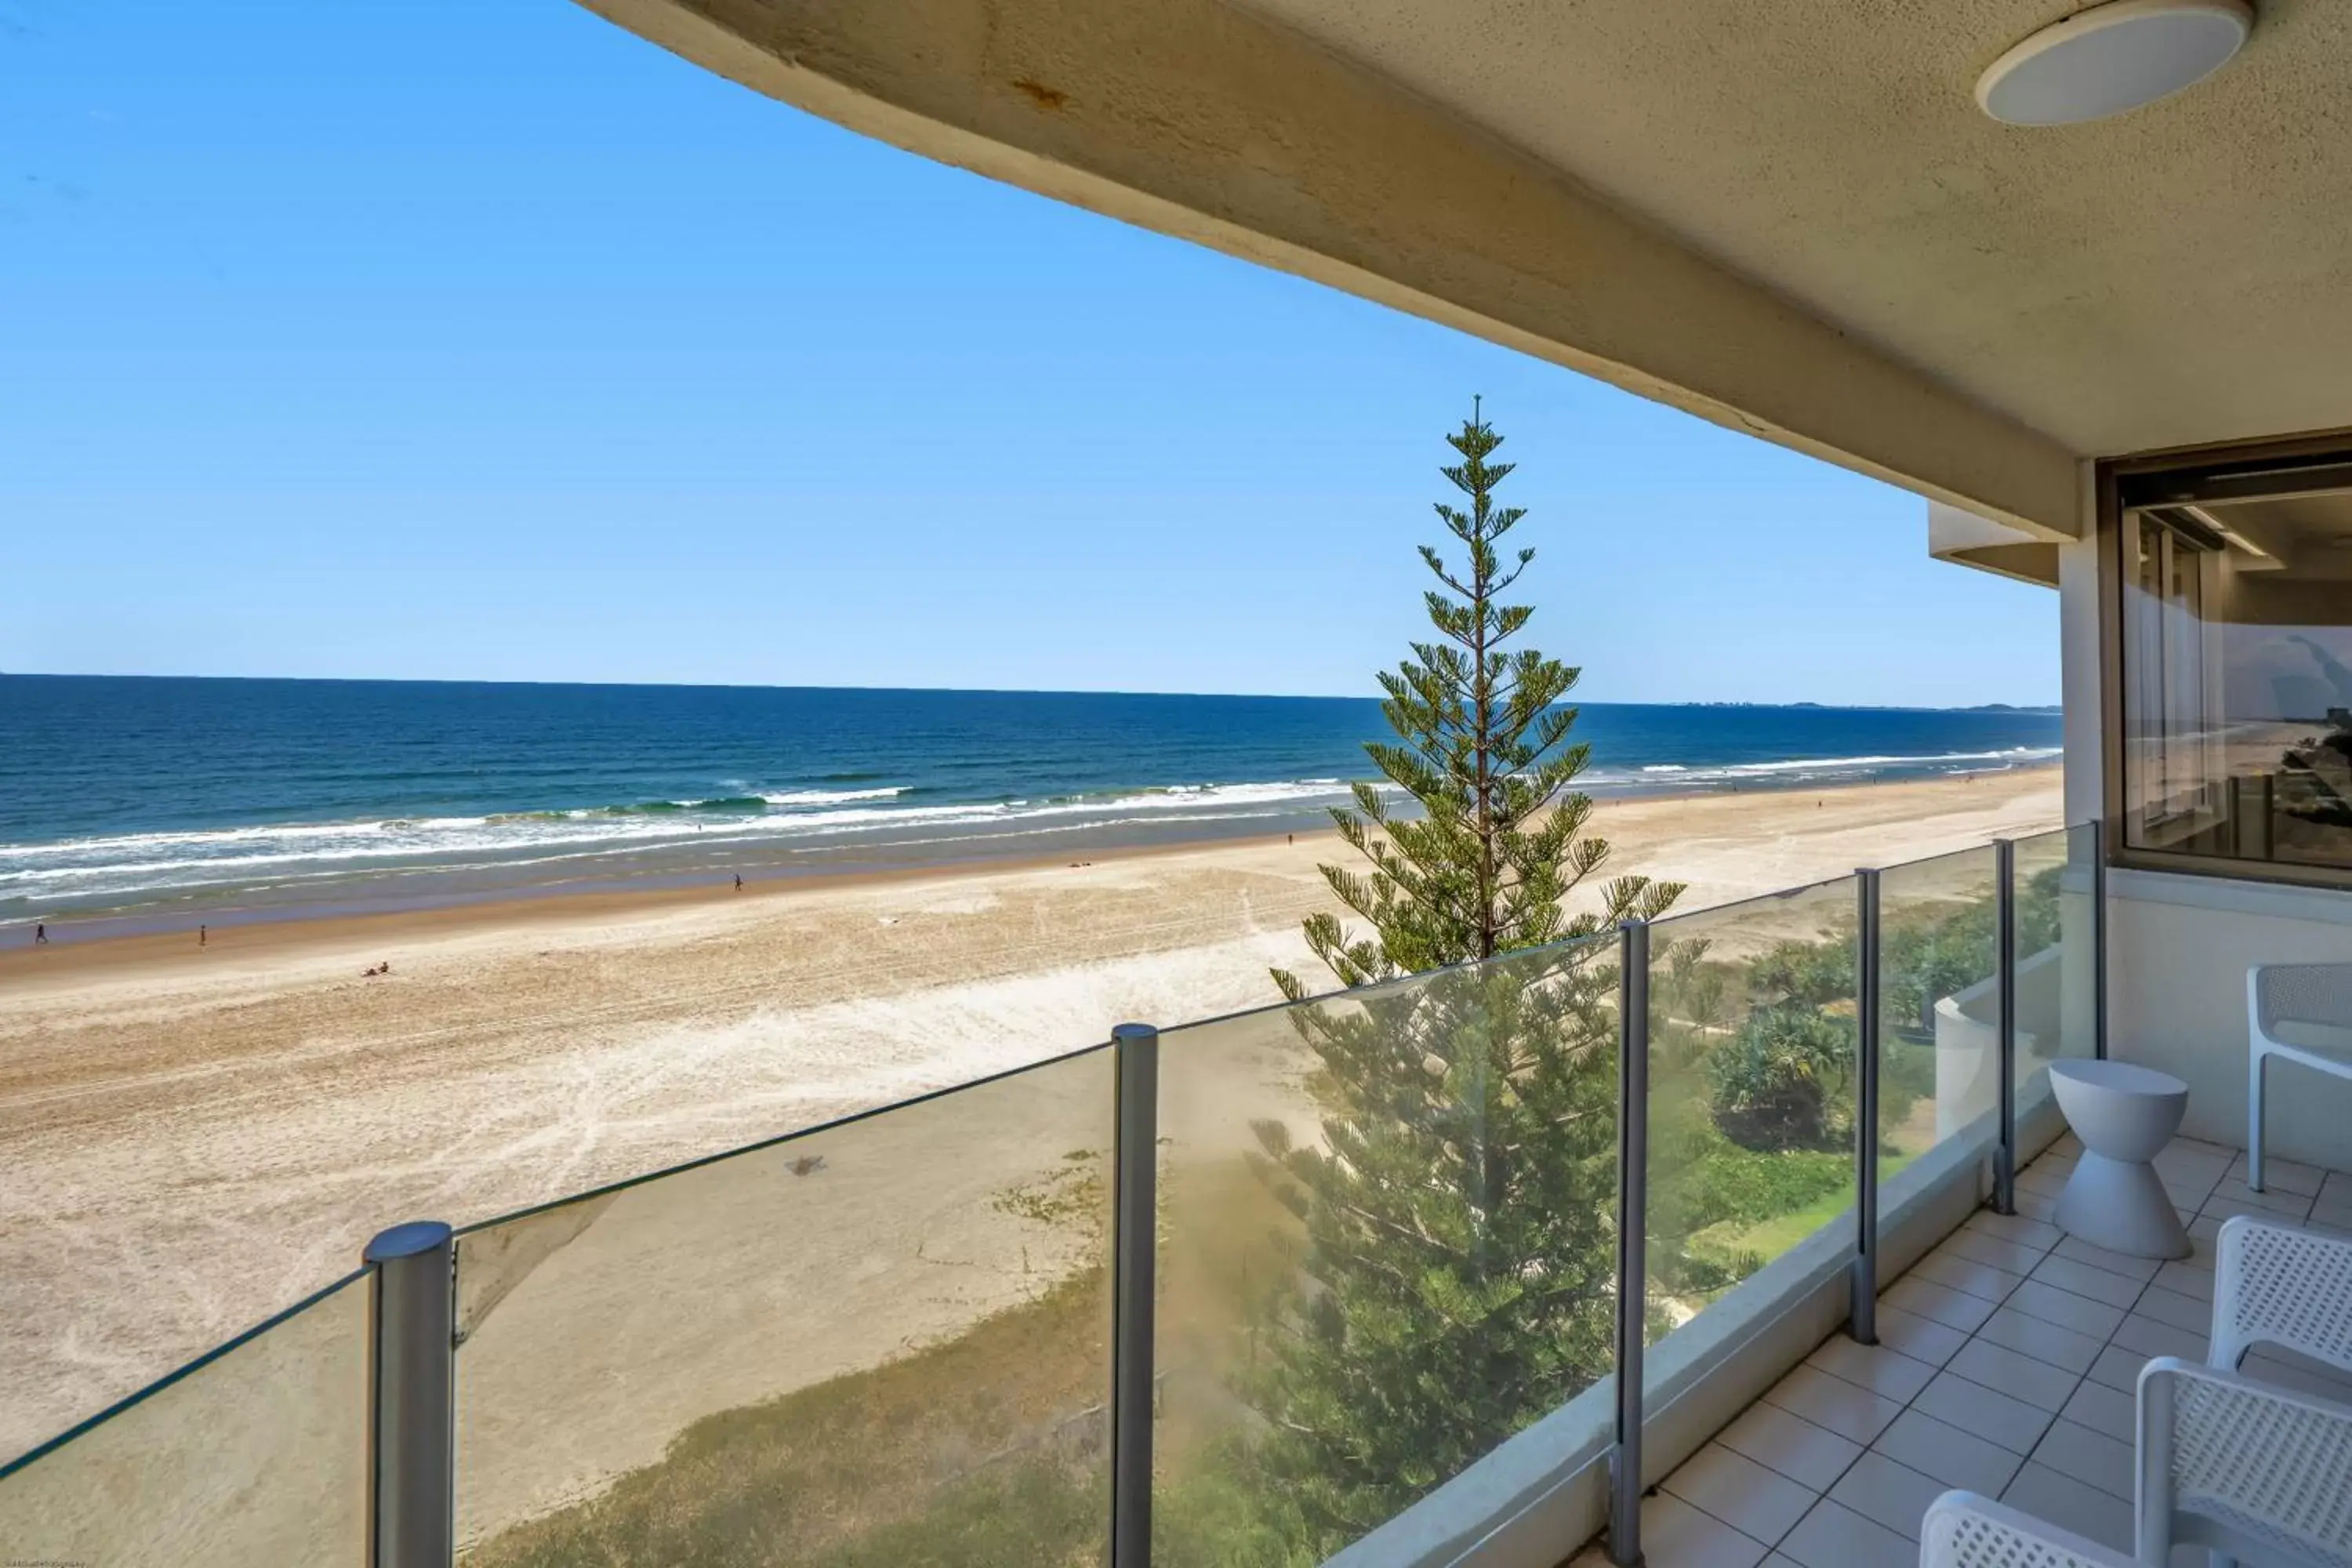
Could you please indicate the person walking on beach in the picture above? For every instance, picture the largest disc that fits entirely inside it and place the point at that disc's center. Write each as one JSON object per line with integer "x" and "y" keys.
{"x": 739, "y": 881}
{"x": 203, "y": 935}
{"x": 41, "y": 934}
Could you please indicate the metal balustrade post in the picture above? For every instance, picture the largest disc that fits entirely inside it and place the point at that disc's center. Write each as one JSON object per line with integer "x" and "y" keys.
{"x": 1633, "y": 1264}
{"x": 1862, "y": 1306}
{"x": 411, "y": 1469}
{"x": 2099, "y": 937}
{"x": 1134, "y": 1258}
{"x": 2004, "y": 1170}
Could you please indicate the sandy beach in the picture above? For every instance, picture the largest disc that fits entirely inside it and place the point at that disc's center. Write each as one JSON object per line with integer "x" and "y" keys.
{"x": 193, "y": 1138}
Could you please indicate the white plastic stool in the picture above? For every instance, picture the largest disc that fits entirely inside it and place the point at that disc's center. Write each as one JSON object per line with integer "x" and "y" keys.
{"x": 2124, "y": 1115}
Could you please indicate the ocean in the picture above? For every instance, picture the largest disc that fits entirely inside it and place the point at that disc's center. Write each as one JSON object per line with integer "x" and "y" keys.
{"x": 141, "y": 802}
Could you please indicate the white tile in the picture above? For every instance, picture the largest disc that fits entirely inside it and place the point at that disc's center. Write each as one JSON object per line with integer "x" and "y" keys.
{"x": 2082, "y": 1279}
{"x": 2038, "y": 1206}
{"x": 2203, "y": 1232}
{"x": 2080, "y": 1251}
{"x": 2218, "y": 1209}
{"x": 1915, "y": 1336}
{"x": 1893, "y": 1495}
{"x": 1743, "y": 1494}
{"x": 2043, "y": 1341}
{"x": 2039, "y": 1177}
{"x": 1979, "y": 1411}
{"x": 2010, "y": 1256}
{"x": 2020, "y": 1376}
{"x": 2181, "y": 1311}
{"x": 2040, "y": 1299}
{"x": 1955, "y": 1271}
{"x": 1835, "y": 1536}
{"x": 2032, "y": 1233}
{"x": 1847, "y": 1409}
{"x": 1931, "y": 1300}
{"x": 2275, "y": 1196}
{"x": 1810, "y": 1455}
{"x": 2337, "y": 1188}
{"x": 2282, "y": 1175}
{"x": 1874, "y": 1367}
{"x": 2178, "y": 1164}
{"x": 1677, "y": 1535}
{"x": 2117, "y": 1368}
{"x": 2149, "y": 1337}
{"x": 2186, "y": 1193}
{"x": 2070, "y": 1505}
{"x": 2331, "y": 1216}
{"x": 2184, "y": 1279}
{"x": 2090, "y": 1457}
{"x": 1938, "y": 1448}
{"x": 2104, "y": 1409}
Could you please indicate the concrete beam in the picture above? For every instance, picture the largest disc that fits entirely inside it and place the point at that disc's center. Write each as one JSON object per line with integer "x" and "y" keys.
{"x": 1967, "y": 539}
{"x": 1200, "y": 118}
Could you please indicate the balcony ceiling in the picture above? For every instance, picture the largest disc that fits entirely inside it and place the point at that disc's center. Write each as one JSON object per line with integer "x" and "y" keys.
{"x": 2180, "y": 274}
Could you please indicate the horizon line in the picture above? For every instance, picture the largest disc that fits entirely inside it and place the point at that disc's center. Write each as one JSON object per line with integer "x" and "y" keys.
{"x": 1002, "y": 690}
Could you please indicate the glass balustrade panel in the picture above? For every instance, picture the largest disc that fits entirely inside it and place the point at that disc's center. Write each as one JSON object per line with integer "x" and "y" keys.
{"x": 881, "y": 1341}
{"x": 1753, "y": 1080}
{"x": 1387, "y": 1246}
{"x": 258, "y": 1454}
{"x": 1939, "y": 1020}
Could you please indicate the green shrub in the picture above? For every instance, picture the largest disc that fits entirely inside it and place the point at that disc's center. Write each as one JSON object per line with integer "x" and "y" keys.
{"x": 1781, "y": 1080}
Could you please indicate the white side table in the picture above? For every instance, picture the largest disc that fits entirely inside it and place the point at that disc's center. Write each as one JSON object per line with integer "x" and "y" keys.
{"x": 2124, "y": 1115}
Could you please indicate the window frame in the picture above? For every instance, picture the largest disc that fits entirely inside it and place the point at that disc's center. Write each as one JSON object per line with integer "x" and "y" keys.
{"x": 2234, "y": 471}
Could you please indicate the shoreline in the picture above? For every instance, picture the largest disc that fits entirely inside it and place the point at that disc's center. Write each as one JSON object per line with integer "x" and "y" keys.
{"x": 155, "y": 934}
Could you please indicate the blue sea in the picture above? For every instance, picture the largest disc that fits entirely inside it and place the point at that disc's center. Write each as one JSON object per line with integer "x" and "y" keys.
{"x": 131, "y": 802}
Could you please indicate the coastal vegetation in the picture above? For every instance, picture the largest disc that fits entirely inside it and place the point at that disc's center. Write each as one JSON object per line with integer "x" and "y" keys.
{"x": 1455, "y": 1213}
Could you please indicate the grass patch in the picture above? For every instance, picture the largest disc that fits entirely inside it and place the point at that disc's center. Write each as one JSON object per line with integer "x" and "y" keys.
{"x": 985, "y": 1451}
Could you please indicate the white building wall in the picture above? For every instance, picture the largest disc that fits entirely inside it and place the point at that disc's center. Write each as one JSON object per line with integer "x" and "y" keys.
{"x": 2178, "y": 952}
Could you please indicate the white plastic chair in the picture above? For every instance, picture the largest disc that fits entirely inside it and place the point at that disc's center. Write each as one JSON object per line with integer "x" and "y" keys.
{"x": 2244, "y": 1468}
{"x": 1962, "y": 1529}
{"x": 2281, "y": 1285}
{"x": 2302, "y": 1012}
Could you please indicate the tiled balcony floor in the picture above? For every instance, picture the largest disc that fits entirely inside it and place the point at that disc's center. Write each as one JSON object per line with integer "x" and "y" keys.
{"x": 2006, "y": 1364}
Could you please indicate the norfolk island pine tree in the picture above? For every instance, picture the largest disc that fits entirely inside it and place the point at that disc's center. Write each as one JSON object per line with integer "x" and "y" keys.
{"x": 1453, "y": 1257}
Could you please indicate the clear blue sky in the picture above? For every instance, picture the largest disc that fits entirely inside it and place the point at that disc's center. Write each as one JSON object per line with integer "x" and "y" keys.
{"x": 485, "y": 341}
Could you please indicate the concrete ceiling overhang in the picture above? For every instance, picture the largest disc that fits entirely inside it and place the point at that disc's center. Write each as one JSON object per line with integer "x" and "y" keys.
{"x": 2178, "y": 275}
{"x": 1786, "y": 216}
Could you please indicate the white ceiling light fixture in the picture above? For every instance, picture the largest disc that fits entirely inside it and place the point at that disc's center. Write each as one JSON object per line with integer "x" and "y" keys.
{"x": 2113, "y": 58}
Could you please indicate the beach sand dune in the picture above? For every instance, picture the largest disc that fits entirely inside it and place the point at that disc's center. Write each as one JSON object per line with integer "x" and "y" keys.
{"x": 193, "y": 1138}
